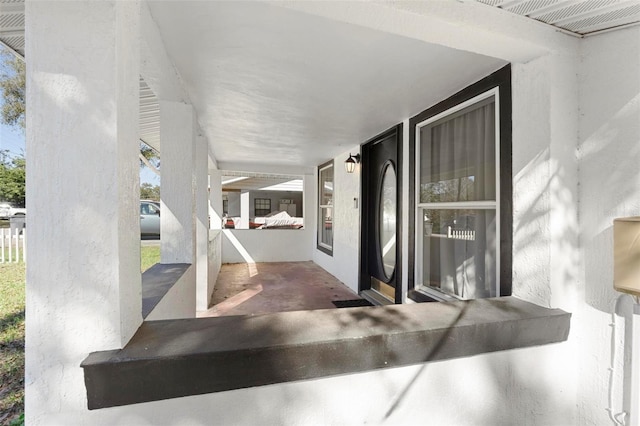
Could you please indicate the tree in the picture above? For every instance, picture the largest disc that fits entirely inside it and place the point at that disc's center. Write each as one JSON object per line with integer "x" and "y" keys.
{"x": 149, "y": 192}
{"x": 12, "y": 113}
{"x": 13, "y": 87}
{"x": 12, "y": 179}
{"x": 149, "y": 158}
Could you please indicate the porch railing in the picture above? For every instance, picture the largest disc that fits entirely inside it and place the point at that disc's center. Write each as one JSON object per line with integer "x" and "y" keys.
{"x": 13, "y": 245}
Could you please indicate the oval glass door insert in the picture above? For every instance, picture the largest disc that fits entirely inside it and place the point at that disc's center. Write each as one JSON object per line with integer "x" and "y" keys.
{"x": 387, "y": 220}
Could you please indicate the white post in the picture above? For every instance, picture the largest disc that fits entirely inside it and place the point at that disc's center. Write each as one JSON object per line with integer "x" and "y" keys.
{"x": 244, "y": 210}
{"x": 202, "y": 223}
{"x": 24, "y": 245}
{"x": 17, "y": 237}
{"x": 215, "y": 198}
{"x": 83, "y": 275}
{"x": 177, "y": 140}
{"x": 635, "y": 366}
{"x": 10, "y": 247}
{"x": 2, "y": 245}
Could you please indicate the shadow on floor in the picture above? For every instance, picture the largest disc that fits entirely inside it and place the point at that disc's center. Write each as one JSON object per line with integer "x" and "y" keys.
{"x": 261, "y": 288}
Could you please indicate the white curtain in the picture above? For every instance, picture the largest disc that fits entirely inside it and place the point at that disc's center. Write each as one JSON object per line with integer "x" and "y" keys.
{"x": 458, "y": 160}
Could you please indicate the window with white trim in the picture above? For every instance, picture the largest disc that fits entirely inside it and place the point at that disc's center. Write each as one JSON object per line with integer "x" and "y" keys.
{"x": 458, "y": 201}
{"x": 325, "y": 208}
{"x": 262, "y": 206}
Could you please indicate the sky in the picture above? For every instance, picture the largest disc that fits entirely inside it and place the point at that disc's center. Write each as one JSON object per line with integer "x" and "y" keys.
{"x": 147, "y": 175}
{"x": 12, "y": 140}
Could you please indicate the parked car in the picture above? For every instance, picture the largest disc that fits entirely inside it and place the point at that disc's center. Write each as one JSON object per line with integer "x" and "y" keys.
{"x": 7, "y": 210}
{"x": 149, "y": 218}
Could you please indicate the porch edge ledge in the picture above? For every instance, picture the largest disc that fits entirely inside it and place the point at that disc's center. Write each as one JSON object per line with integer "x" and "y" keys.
{"x": 157, "y": 281}
{"x": 176, "y": 358}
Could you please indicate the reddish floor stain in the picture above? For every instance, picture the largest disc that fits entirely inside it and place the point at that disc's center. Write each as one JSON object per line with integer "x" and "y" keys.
{"x": 251, "y": 289}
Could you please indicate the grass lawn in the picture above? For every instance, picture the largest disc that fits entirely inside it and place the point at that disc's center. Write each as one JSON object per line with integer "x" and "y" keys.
{"x": 12, "y": 295}
{"x": 12, "y": 279}
{"x": 149, "y": 256}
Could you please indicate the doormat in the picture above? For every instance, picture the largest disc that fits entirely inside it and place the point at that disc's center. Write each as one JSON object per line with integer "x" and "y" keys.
{"x": 351, "y": 303}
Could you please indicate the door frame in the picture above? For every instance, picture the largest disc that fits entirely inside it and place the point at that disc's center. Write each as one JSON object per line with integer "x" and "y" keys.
{"x": 364, "y": 284}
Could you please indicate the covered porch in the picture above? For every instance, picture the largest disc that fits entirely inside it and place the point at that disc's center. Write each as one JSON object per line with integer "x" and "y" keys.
{"x": 292, "y": 89}
{"x": 261, "y": 288}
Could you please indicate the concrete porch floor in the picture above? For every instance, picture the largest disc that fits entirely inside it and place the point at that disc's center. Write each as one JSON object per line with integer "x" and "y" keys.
{"x": 260, "y": 288}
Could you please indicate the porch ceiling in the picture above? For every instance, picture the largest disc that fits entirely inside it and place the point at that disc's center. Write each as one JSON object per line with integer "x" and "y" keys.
{"x": 274, "y": 86}
{"x": 280, "y": 87}
{"x": 257, "y": 182}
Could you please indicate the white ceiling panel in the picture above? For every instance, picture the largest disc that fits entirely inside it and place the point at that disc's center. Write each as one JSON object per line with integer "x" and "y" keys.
{"x": 579, "y": 17}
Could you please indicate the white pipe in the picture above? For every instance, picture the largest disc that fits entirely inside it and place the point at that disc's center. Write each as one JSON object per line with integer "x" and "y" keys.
{"x": 17, "y": 245}
{"x": 634, "y": 419}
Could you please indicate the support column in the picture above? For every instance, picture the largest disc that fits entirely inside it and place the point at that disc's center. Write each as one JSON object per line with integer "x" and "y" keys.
{"x": 214, "y": 254}
{"x": 83, "y": 275}
{"x": 202, "y": 222}
{"x": 215, "y": 198}
{"x": 244, "y": 210}
{"x": 177, "y": 222}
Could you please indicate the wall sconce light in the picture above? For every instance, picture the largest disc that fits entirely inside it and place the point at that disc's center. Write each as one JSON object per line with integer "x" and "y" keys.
{"x": 350, "y": 163}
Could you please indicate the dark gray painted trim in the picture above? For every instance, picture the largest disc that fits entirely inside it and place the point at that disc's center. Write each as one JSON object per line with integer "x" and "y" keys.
{"x": 175, "y": 358}
{"x": 157, "y": 281}
{"x": 502, "y": 80}
{"x": 375, "y": 298}
{"x": 363, "y": 277}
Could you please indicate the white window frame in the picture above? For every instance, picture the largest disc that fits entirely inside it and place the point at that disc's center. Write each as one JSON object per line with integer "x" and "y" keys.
{"x": 326, "y": 248}
{"x": 478, "y": 205}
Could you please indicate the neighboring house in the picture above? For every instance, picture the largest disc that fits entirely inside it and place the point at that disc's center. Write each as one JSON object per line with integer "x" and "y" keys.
{"x": 523, "y": 209}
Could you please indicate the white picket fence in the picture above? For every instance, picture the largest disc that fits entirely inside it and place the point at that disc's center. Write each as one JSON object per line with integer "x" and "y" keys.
{"x": 461, "y": 234}
{"x": 13, "y": 245}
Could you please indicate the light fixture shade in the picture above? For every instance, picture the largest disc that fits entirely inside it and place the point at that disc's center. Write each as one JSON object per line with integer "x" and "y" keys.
{"x": 350, "y": 163}
{"x": 626, "y": 255}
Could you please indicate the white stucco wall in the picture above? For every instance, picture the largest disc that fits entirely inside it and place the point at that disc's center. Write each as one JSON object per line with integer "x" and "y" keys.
{"x": 493, "y": 389}
{"x": 177, "y": 223}
{"x": 343, "y": 263}
{"x": 609, "y": 153}
{"x": 83, "y": 275}
{"x": 268, "y": 245}
{"x": 544, "y": 205}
